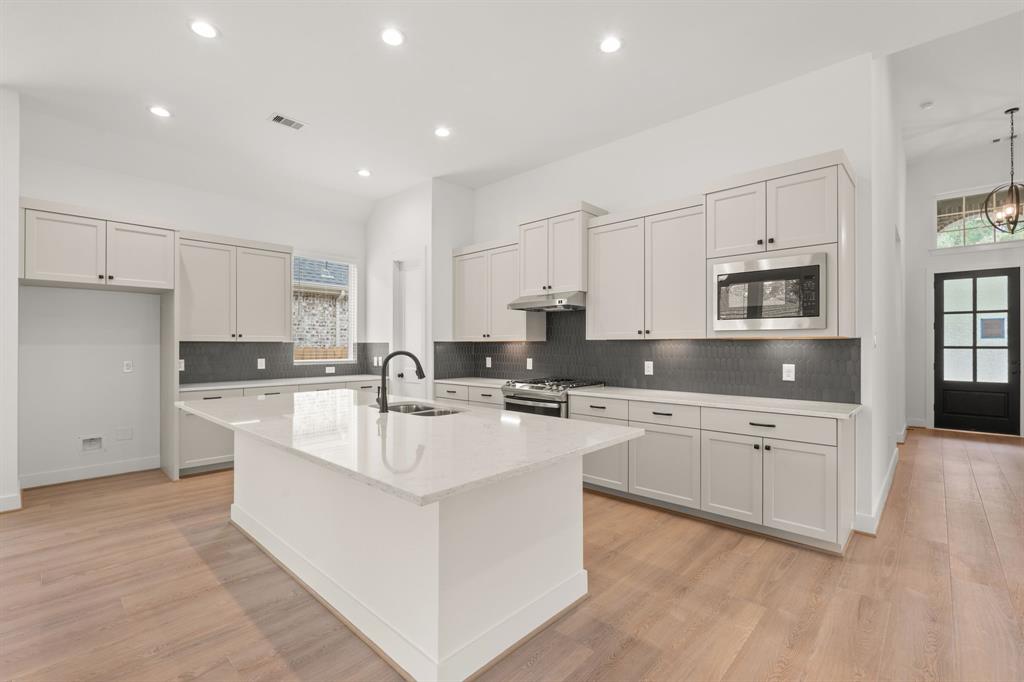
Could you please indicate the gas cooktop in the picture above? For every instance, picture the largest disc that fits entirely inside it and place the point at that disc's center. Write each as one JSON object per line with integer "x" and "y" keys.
{"x": 553, "y": 386}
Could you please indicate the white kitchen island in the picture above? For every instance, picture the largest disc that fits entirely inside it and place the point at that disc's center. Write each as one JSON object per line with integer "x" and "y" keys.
{"x": 443, "y": 541}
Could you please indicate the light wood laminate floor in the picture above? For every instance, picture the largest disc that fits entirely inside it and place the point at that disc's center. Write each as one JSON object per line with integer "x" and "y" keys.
{"x": 138, "y": 578}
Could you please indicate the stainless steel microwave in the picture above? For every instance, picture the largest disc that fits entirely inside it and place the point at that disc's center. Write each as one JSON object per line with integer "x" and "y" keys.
{"x": 788, "y": 292}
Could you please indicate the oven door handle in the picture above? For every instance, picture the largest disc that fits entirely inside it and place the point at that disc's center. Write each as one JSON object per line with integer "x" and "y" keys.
{"x": 534, "y": 403}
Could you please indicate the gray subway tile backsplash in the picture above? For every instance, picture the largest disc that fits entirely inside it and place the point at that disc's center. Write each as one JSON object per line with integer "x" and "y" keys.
{"x": 826, "y": 369}
{"x": 213, "y": 361}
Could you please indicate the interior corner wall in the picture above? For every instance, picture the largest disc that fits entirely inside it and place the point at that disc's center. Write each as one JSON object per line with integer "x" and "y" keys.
{"x": 10, "y": 174}
{"x": 451, "y": 227}
{"x": 975, "y": 169}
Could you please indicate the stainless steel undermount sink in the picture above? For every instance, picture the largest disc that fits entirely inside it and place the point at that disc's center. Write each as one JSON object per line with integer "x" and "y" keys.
{"x": 421, "y": 409}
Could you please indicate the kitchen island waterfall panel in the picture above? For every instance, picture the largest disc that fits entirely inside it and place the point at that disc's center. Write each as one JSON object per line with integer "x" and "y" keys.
{"x": 826, "y": 369}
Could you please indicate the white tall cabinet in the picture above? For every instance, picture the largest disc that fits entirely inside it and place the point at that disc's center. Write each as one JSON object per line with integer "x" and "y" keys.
{"x": 233, "y": 293}
{"x": 486, "y": 280}
{"x": 647, "y": 277}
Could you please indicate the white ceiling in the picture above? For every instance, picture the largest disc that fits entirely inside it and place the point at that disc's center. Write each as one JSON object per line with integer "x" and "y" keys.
{"x": 972, "y": 77}
{"x": 520, "y": 84}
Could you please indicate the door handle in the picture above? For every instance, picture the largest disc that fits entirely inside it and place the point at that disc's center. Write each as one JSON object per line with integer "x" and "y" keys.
{"x": 400, "y": 375}
{"x": 662, "y": 414}
{"x": 767, "y": 426}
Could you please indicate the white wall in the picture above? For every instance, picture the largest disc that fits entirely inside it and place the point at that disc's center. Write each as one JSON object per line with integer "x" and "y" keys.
{"x": 73, "y": 344}
{"x": 980, "y": 168}
{"x": 818, "y": 112}
{"x": 451, "y": 226}
{"x": 10, "y": 492}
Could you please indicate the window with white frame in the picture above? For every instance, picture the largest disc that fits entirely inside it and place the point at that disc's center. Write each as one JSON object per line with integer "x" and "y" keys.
{"x": 323, "y": 309}
{"x": 960, "y": 222}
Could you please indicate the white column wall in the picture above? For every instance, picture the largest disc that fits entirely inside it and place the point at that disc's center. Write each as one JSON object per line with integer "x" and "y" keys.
{"x": 10, "y": 174}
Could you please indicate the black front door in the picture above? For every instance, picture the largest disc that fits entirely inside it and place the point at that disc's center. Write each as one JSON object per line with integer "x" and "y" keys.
{"x": 977, "y": 350}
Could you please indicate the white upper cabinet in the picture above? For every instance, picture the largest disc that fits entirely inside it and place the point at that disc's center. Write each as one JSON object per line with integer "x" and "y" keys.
{"x": 615, "y": 298}
{"x": 730, "y": 472}
{"x": 471, "y": 296}
{"x": 674, "y": 279}
{"x": 206, "y": 291}
{"x": 64, "y": 248}
{"x": 140, "y": 256}
{"x": 553, "y": 254}
{"x": 647, "y": 277}
{"x": 263, "y": 291}
{"x": 567, "y": 253}
{"x": 803, "y": 209}
{"x": 485, "y": 282}
{"x": 502, "y": 289}
{"x": 736, "y": 221}
{"x": 800, "y": 488}
{"x": 664, "y": 464}
{"x": 533, "y": 258}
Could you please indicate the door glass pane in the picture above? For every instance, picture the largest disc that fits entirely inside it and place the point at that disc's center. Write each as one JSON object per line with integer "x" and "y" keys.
{"x": 992, "y": 293}
{"x": 957, "y": 364}
{"x": 957, "y": 295}
{"x": 993, "y": 365}
{"x": 958, "y": 329}
{"x": 992, "y": 329}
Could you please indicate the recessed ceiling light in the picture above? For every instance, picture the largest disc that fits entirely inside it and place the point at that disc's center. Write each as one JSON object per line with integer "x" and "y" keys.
{"x": 392, "y": 36}
{"x": 363, "y": 172}
{"x": 925, "y": 106}
{"x": 160, "y": 111}
{"x": 203, "y": 29}
{"x": 610, "y": 44}
{"x": 442, "y": 131}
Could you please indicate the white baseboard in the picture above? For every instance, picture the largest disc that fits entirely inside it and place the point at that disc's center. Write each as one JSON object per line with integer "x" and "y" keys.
{"x": 10, "y": 502}
{"x": 915, "y": 421}
{"x": 123, "y": 466}
{"x": 901, "y": 437}
{"x": 868, "y": 523}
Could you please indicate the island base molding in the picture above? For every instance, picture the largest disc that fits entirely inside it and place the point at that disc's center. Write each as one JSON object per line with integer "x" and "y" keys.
{"x": 441, "y": 591}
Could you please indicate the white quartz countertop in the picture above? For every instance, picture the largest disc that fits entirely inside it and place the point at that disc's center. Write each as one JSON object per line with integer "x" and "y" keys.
{"x": 807, "y": 408}
{"x": 420, "y": 459}
{"x": 295, "y": 381}
{"x": 473, "y": 381}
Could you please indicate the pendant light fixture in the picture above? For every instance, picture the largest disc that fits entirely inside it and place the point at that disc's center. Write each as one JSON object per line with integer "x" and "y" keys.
{"x": 1003, "y": 205}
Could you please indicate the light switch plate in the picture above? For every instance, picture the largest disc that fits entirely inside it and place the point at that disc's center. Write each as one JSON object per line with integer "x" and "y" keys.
{"x": 181, "y": 364}
{"x": 329, "y": 369}
{"x": 788, "y": 372}
{"x": 649, "y": 368}
{"x": 261, "y": 363}
{"x": 128, "y": 366}
{"x": 487, "y": 362}
{"x": 529, "y": 363}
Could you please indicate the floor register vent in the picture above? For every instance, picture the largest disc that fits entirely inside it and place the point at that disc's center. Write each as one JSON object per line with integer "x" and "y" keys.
{"x": 287, "y": 122}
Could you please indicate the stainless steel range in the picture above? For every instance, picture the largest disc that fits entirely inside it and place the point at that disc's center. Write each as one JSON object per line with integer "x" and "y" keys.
{"x": 548, "y": 396}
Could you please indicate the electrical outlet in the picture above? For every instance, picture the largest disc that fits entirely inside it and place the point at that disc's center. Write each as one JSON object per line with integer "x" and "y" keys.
{"x": 261, "y": 363}
{"x": 487, "y": 362}
{"x": 788, "y": 372}
{"x": 649, "y": 368}
{"x": 128, "y": 366}
{"x": 329, "y": 369}
{"x": 124, "y": 433}
{"x": 529, "y": 363}
{"x": 181, "y": 364}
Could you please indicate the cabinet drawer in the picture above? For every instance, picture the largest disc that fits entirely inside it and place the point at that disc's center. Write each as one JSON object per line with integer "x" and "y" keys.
{"x": 609, "y": 408}
{"x": 787, "y": 426}
{"x": 486, "y": 395}
{"x": 330, "y": 386}
{"x": 210, "y": 395}
{"x": 665, "y": 413}
{"x": 451, "y": 391}
{"x": 371, "y": 385}
{"x": 269, "y": 390}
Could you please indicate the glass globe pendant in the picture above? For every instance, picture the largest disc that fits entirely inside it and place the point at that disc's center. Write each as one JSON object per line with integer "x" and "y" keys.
{"x": 1003, "y": 205}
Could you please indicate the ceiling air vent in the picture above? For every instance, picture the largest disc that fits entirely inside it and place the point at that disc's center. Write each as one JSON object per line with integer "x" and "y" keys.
{"x": 288, "y": 122}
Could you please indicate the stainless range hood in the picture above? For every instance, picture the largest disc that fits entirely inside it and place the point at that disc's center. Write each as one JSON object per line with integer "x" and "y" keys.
{"x": 551, "y": 303}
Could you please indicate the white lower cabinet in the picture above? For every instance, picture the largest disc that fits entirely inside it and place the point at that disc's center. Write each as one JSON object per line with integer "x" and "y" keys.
{"x": 370, "y": 385}
{"x": 730, "y": 473}
{"x": 269, "y": 391}
{"x": 201, "y": 442}
{"x": 664, "y": 464}
{"x": 800, "y": 488}
{"x": 608, "y": 467}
